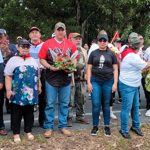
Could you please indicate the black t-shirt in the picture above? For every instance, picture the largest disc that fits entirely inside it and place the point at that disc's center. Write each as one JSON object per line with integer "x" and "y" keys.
{"x": 102, "y": 64}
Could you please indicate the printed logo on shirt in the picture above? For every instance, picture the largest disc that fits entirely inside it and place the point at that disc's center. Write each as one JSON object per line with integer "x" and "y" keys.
{"x": 101, "y": 61}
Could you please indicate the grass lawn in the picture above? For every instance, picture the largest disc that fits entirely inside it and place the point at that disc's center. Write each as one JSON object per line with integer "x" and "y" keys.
{"x": 81, "y": 140}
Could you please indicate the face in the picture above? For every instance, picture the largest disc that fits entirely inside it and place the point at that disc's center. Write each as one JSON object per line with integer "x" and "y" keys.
{"x": 3, "y": 41}
{"x": 24, "y": 49}
{"x": 60, "y": 33}
{"x": 102, "y": 44}
{"x": 117, "y": 44}
{"x": 77, "y": 41}
{"x": 35, "y": 35}
{"x": 141, "y": 40}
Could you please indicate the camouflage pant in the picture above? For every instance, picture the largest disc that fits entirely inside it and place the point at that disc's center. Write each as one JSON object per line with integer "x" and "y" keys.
{"x": 77, "y": 99}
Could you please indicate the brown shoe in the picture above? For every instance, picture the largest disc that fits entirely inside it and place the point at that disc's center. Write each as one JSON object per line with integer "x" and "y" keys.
{"x": 69, "y": 121}
{"x": 48, "y": 134}
{"x": 3, "y": 132}
{"x": 66, "y": 132}
{"x": 82, "y": 120}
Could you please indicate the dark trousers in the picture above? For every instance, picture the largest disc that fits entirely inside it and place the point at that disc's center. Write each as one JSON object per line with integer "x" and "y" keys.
{"x": 42, "y": 100}
{"x": 147, "y": 94}
{"x": 17, "y": 112}
{"x": 1, "y": 109}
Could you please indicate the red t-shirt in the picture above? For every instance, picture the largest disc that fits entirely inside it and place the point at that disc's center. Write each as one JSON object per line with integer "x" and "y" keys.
{"x": 56, "y": 78}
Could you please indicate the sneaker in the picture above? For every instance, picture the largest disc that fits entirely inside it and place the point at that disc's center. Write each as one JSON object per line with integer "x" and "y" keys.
{"x": 17, "y": 138}
{"x": 30, "y": 136}
{"x": 147, "y": 114}
{"x": 107, "y": 131}
{"x": 112, "y": 115}
{"x": 125, "y": 135}
{"x": 66, "y": 132}
{"x": 48, "y": 134}
{"x": 94, "y": 131}
{"x": 137, "y": 131}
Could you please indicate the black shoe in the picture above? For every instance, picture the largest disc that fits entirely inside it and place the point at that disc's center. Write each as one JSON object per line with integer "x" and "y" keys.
{"x": 94, "y": 130}
{"x": 107, "y": 131}
{"x": 125, "y": 135}
{"x": 137, "y": 131}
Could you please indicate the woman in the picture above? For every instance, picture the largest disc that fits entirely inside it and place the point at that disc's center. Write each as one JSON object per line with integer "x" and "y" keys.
{"x": 102, "y": 77}
{"x": 129, "y": 82}
{"x": 21, "y": 80}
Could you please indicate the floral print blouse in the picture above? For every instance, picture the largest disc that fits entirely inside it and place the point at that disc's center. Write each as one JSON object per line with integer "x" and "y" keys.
{"x": 24, "y": 80}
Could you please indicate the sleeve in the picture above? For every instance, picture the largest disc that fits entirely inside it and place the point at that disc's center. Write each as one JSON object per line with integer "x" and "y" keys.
{"x": 43, "y": 51}
{"x": 136, "y": 61}
{"x": 10, "y": 66}
{"x": 147, "y": 54}
{"x": 1, "y": 72}
{"x": 90, "y": 60}
{"x": 114, "y": 59}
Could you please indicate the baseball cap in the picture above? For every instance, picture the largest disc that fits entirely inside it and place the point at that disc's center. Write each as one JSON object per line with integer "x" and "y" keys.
{"x": 23, "y": 42}
{"x": 34, "y": 28}
{"x": 102, "y": 36}
{"x": 133, "y": 39}
{"x": 60, "y": 25}
{"x": 74, "y": 35}
{"x": 3, "y": 31}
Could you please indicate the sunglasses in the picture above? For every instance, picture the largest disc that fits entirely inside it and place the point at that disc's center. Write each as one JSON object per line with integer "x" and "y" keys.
{"x": 102, "y": 40}
{"x": 25, "y": 46}
{"x": 60, "y": 29}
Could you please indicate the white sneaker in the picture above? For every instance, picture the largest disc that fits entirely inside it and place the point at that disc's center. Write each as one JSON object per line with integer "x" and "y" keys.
{"x": 147, "y": 114}
{"x": 112, "y": 115}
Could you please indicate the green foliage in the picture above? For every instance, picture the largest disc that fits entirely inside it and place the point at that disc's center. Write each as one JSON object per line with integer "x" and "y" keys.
{"x": 85, "y": 16}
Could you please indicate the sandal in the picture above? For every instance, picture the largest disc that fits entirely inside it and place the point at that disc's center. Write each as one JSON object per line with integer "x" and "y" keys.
{"x": 30, "y": 136}
{"x": 17, "y": 138}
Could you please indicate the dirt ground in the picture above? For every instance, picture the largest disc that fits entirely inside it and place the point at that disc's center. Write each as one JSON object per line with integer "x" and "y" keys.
{"x": 81, "y": 140}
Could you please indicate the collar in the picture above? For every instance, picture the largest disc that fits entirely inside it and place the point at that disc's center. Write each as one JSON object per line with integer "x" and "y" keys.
{"x": 36, "y": 44}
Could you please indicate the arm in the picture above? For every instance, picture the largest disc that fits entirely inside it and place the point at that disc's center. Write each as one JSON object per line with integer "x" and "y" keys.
{"x": 115, "y": 68}
{"x": 89, "y": 68}
{"x": 47, "y": 65}
{"x": 8, "y": 84}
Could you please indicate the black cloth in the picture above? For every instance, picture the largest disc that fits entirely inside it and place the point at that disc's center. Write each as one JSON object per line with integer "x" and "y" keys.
{"x": 102, "y": 64}
{"x": 2, "y": 126}
{"x": 1, "y": 72}
{"x": 17, "y": 112}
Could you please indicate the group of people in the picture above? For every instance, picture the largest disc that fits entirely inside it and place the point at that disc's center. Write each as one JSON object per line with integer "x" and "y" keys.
{"x": 31, "y": 78}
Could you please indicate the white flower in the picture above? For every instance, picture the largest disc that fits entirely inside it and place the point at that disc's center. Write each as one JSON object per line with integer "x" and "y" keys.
{"x": 30, "y": 97}
{"x": 35, "y": 78}
{"x": 20, "y": 76}
{"x": 22, "y": 68}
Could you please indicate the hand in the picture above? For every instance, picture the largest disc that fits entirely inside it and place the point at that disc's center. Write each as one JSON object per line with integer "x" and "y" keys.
{"x": 1, "y": 86}
{"x": 39, "y": 90}
{"x": 114, "y": 88}
{"x": 53, "y": 68}
{"x": 90, "y": 88}
{"x": 9, "y": 93}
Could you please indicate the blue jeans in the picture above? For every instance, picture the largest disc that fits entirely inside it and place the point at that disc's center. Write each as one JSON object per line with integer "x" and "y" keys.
{"x": 63, "y": 94}
{"x": 101, "y": 90}
{"x": 130, "y": 103}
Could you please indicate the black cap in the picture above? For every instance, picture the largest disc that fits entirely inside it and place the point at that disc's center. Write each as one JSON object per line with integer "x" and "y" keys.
{"x": 34, "y": 28}
{"x": 23, "y": 42}
{"x": 102, "y": 36}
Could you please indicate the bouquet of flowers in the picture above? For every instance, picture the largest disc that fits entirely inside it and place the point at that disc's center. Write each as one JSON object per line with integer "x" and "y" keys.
{"x": 113, "y": 48}
{"x": 64, "y": 61}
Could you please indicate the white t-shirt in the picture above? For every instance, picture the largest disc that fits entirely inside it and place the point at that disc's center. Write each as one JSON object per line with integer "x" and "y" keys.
{"x": 130, "y": 70}
{"x": 1, "y": 57}
{"x": 147, "y": 54}
{"x": 17, "y": 61}
{"x": 93, "y": 47}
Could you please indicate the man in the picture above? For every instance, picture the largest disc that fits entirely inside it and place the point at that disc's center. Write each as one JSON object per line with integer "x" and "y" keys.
{"x": 79, "y": 96}
{"x": 57, "y": 81}
{"x": 2, "y": 126}
{"x": 36, "y": 44}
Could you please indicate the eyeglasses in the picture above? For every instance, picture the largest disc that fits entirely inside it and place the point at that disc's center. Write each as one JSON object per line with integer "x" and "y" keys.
{"x": 60, "y": 29}
{"x": 102, "y": 40}
{"x": 25, "y": 46}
